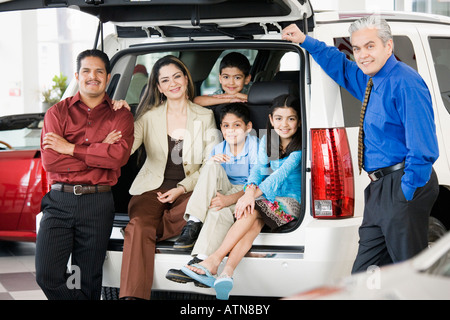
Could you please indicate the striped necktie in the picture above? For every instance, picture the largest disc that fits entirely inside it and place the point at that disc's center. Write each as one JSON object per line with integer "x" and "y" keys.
{"x": 361, "y": 130}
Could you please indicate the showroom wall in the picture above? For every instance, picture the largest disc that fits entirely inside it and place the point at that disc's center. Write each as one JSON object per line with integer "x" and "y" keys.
{"x": 34, "y": 47}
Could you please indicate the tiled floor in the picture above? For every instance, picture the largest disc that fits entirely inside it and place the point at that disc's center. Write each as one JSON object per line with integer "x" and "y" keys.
{"x": 17, "y": 272}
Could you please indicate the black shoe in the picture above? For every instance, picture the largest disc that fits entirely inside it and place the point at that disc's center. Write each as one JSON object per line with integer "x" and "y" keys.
{"x": 177, "y": 275}
{"x": 189, "y": 235}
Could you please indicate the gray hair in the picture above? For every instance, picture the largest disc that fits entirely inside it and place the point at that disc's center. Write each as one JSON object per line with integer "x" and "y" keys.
{"x": 372, "y": 21}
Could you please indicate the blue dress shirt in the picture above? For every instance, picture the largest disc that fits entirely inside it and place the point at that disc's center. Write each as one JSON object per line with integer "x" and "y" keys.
{"x": 280, "y": 177}
{"x": 238, "y": 167}
{"x": 399, "y": 120}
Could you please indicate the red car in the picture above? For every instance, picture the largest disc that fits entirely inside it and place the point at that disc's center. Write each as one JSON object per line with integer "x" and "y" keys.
{"x": 22, "y": 178}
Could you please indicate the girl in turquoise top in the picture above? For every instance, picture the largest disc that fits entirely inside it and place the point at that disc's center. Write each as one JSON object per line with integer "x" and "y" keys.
{"x": 272, "y": 195}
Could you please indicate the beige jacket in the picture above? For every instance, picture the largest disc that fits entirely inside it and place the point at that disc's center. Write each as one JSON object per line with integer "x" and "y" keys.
{"x": 151, "y": 130}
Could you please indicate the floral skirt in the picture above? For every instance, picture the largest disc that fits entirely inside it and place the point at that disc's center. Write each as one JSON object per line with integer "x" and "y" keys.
{"x": 278, "y": 213}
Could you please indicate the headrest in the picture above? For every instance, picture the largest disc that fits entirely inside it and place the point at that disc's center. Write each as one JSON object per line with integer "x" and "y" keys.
{"x": 287, "y": 75}
{"x": 265, "y": 91}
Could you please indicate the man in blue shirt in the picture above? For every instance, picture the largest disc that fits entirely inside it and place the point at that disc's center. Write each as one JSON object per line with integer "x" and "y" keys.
{"x": 399, "y": 140}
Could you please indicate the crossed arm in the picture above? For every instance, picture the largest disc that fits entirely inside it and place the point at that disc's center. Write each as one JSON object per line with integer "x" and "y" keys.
{"x": 61, "y": 155}
{"x": 59, "y": 144}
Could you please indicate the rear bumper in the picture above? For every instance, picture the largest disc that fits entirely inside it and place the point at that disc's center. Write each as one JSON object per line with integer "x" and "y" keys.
{"x": 327, "y": 254}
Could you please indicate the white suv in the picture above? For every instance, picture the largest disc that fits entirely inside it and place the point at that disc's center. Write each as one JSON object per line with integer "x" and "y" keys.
{"x": 322, "y": 244}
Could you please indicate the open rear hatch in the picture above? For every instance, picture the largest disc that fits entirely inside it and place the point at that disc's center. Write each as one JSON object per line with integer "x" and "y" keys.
{"x": 239, "y": 19}
{"x": 187, "y": 14}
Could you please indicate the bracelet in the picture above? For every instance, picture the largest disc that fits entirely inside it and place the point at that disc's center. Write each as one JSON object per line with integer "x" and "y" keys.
{"x": 250, "y": 186}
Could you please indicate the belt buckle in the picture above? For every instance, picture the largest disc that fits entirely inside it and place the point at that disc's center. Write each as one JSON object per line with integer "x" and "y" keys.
{"x": 373, "y": 177}
{"x": 75, "y": 192}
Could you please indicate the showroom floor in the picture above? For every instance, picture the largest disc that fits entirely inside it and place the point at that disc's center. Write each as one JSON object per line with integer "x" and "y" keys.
{"x": 17, "y": 272}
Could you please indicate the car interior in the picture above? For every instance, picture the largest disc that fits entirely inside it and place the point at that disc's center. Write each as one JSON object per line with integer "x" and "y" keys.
{"x": 270, "y": 78}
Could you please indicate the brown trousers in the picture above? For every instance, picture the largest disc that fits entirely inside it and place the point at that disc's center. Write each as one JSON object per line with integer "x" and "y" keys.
{"x": 150, "y": 221}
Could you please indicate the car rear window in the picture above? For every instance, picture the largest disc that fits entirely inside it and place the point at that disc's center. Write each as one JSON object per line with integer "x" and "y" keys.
{"x": 20, "y": 139}
{"x": 440, "y": 50}
{"x": 21, "y": 132}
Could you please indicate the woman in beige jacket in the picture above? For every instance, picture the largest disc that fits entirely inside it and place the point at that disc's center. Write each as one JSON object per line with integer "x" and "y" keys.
{"x": 178, "y": 136}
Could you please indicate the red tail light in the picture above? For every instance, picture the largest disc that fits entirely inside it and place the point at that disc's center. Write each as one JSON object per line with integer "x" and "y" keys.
{"x": 44, "y": 181}
{"x": 332, "y": 174}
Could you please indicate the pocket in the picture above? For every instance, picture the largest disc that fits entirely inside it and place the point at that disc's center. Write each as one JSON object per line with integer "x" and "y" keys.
{"x": 50, "y": 201}
{"x": 44, "y": 202}
{"x": 430, "y": 189}
{"x": 402, "y": 195}
{"x": 144, "y": 171}
{"x": 397, "y": 186}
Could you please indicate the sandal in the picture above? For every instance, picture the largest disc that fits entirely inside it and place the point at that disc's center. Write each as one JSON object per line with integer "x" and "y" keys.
{"x": 207, "y": 279}
{"x": 223, "y": 286}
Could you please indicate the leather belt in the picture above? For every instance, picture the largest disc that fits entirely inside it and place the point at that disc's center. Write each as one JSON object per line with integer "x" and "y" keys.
{"x": 380, "y": 173}
{"x": 79, "y": 189}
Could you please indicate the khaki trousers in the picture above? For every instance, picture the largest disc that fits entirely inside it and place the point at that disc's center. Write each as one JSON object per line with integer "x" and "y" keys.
{"x": 150, "y": 221}
{"x": 216, "y": 223}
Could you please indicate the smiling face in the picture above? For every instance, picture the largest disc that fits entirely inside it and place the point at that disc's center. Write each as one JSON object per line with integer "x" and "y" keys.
{"x": 234, "y": 129}
{"x": 172, "y": 82}
{"x": 285, "y": 123}
{"x": 92, "y": 77}
{"x": 233, "y": 80}
{"x": 369, "y": 50}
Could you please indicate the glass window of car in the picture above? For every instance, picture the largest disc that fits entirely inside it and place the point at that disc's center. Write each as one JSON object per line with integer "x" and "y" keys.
{"x": 141, "y": 72}
{"x": 403, "y": 50}
{"x": 211, "y": 83}
{"x": 21, "y": 131}
{"x": 290, "y": 62}
{"x": 440, "y": 50}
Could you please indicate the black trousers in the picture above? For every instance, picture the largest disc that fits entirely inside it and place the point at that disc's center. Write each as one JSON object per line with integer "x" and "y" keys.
{"x": 76, "y": 226}
{"x": 394, "y": 229}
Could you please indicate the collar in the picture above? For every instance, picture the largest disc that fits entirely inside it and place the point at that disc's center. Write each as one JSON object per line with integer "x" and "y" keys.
{"x": 244, "y": 151}
{"x": 77, "y": 98}
{"x": 384, "y": 72}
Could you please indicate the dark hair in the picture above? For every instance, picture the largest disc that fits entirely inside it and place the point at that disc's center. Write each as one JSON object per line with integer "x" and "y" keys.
{"x": 235, "y": 60}
{"x": 94, "y": 53}
{"x": 284, "y": 101}
{"x": 239, "y": 109}
{"x": 152, "y": 97}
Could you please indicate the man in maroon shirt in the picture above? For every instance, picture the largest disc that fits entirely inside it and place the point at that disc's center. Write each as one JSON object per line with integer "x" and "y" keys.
{"x": 84, "y": 143}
